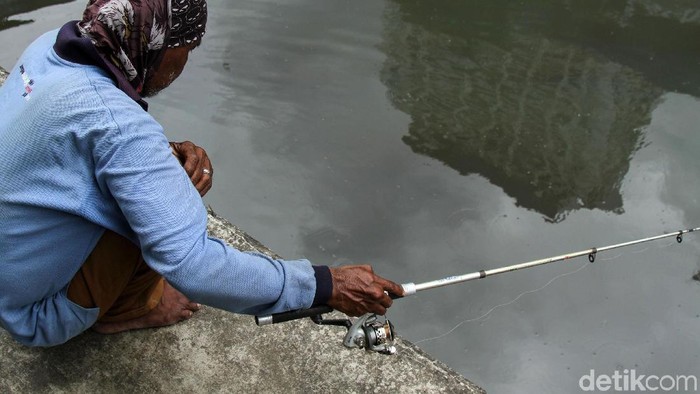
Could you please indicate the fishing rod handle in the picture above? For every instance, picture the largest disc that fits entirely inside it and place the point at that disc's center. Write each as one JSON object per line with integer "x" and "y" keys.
{"x": 408, "y": 289}
{"x": 292, "y": 315}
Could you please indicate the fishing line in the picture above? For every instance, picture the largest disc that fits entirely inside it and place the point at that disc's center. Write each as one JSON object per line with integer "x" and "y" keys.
{"x": 483, "y": 316}
{"x": 502, "y": 305}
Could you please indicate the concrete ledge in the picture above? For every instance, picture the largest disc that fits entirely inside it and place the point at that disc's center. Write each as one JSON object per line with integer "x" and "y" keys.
{"x": 217, "y": 351}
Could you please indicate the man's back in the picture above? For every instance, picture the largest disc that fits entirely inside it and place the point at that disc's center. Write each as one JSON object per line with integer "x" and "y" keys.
{"x": 79, "y": 156}
{"x": 51, "y": 211}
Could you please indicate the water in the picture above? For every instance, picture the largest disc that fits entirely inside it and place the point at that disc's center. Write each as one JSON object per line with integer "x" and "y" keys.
{"x": 440, "y": 138}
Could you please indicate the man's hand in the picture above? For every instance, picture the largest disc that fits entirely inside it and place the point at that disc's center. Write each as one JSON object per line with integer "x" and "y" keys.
{"x": 357, "y": 290}
{"x": 196, "y": 163}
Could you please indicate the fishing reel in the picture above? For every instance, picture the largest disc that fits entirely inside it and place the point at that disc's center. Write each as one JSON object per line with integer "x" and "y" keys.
{"x": 367, "y": 332}
{"x": 371, "y": 334}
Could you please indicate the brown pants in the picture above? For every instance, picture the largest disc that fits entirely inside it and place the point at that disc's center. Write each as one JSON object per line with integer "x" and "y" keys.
{"x": 116, "y": 279}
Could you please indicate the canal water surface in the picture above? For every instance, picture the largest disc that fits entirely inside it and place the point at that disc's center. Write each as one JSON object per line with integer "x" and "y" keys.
{"x": 438, "y": 138}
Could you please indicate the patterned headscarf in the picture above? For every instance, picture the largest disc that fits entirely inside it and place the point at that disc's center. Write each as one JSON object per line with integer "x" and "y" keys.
{"x": 132, "y": 34}
{"x": 189, "y": 20}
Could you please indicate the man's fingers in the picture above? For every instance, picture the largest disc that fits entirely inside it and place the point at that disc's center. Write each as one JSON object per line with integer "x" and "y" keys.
{"x": 175, "y": 148}
{"x": 380, "y": 299}
{"x": 207, "y": 168}
{"x": 193, "y": 166}
{"x": 204, "y": 185}
{"x": 386, "y": 301}
{"x": 390, "y": 287}
{"x": 379, "y": 310}
{"x": 205, "y": 190}
{"x": 205, "y": 181}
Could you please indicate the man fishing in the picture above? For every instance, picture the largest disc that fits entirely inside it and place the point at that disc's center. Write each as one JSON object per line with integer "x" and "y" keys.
{"x": 103, "y": 225}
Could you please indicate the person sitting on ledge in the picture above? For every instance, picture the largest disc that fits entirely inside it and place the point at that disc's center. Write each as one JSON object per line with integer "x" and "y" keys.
{"x": 103, "y": 224}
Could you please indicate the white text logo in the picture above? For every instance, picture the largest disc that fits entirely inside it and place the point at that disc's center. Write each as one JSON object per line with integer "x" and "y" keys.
{"x": 629, "y": 380}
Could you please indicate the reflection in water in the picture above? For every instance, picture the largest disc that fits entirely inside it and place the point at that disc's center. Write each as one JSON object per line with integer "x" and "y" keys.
{"x": 14, "y": 7}
{"x": 517, "y": 93}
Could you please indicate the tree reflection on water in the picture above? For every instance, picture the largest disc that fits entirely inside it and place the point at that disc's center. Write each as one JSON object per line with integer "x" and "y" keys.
{"x": 549, "y": 102}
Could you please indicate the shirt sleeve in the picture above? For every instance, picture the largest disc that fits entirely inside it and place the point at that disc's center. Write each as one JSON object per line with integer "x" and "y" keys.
{"x": 135, "y": 164}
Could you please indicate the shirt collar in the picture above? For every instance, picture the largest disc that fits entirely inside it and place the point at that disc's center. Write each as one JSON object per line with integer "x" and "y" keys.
{"x": 71, "y": 46}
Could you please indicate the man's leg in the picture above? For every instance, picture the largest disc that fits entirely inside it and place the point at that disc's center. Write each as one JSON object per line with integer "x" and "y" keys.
{"x": 128, "y": 292}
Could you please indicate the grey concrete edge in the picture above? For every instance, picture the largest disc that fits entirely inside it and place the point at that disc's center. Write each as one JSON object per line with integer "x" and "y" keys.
{"x": 217, "y": 351}
{"x": 223, "y": 229}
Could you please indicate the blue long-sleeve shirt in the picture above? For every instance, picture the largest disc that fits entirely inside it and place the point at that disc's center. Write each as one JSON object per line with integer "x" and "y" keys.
{"x": 78, "y": 156}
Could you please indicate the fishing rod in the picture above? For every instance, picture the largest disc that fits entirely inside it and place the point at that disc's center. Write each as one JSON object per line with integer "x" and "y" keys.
{"x": 372, "y": 334}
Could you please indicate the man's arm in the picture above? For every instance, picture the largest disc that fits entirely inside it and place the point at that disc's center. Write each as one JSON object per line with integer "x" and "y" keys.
{"x": 356, "y": 290}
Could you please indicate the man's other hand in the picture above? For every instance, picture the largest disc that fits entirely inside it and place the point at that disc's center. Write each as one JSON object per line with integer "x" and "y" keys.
{"x": 196, "y": 163}
{"x": 357, "y": 290}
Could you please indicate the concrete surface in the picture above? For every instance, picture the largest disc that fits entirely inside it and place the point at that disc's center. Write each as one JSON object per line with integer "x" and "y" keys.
{"x": 217, "y": 351}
